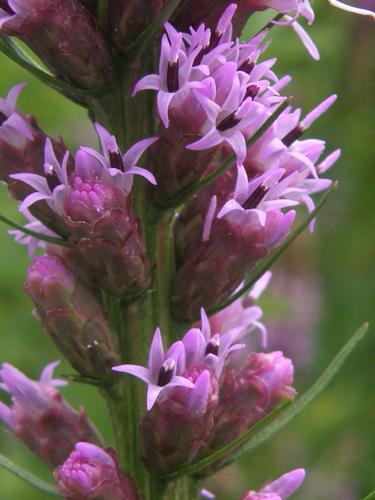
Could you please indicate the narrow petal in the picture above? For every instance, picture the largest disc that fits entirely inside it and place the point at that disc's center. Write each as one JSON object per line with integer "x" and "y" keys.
{"x": 156, "y": 355}
{"x": 209, "y": 219}
{"x": 133, "y": 154}
{"x": 306, "y": 40}
{"x": 197, "y": 403}
{"x": 211, "y": 139}
{"x": 163, "y": 102}
{"x": 148, "y": 82}
{"x": 137, "y": 371}
{"x": 31, "y": 199}
{"x": 153, "y": 392}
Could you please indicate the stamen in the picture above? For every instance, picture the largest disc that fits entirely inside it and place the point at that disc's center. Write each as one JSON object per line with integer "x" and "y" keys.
{"x": 172, "y": 77}
{"x": 166, "y": 372}
{"x": 229, "y": 122}
{"x": 3, "y": 118}
{"x": 115, "y": 160}
{"x": 252, "y": 91}
{"x": 293, "y": 135}
{"x": 256, "y": 197}
{"x": 5, "y": 6}
{"x": 213, "y": 346}
{"x": 52, "y": 179}
{"x": 247, "y": 66}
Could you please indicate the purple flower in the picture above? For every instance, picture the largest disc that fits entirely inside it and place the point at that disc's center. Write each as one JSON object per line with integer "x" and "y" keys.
{"x": 40, "y": 417}
{"x": 92, "y": 472}
{"x": 92, "y": 199}
{"x": 14, "y": 127}
{"x": 242, "y": 314}
{"x": 163, "y": 371}
{"x": 176, "y": 72}
{"x": 280, "y": 489}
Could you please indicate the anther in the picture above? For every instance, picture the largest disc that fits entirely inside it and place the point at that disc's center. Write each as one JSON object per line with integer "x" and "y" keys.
{"x": 247, "y": 66}
{"x": 252, "y": 91}
{"x": 2, "y": 118}
{"x": 229, "y": 122}
{"x": 172, "y": 76}
{"x": 293, "y": 135}
{"x": 213, "y": 346}
{"x": 115, "y": 159}
{"x": 50, "y": 174}
{"x": 5, "y": 6}
{"x": 166, "y": 372}
{"x": 256, "y": 197}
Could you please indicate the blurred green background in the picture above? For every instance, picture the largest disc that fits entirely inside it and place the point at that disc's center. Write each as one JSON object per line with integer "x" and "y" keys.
{"x": 334, "y": 438}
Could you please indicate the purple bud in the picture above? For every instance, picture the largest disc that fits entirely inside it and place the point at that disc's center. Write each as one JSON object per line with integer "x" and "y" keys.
{"x": 128, "y": 18}
{"x": 248, "y": 393}
{"x": 65, "y": 35}
{"x": 72, "y": 315}
{"x": 280, "y": 489}
{"x": 41, "y": 418}
{"x": 92, "y": 472}
{"x": 180, "y": 422}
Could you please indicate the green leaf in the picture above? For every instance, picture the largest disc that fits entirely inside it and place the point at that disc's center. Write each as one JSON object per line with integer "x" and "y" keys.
{"x": 180, "y": 197}
{"x": 371, "y": 496}
{"x": 27, "y": 476}
{"x": 20, "y": 57}
{"x": 268, "y": 261}
{"x": 40, "y": 236}
{"x": 265, "y": 429}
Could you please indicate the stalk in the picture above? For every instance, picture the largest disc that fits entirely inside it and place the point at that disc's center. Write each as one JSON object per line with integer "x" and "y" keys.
{"x": 130, "y": 120}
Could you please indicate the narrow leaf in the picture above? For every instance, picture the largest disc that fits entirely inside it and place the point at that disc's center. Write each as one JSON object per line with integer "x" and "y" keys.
{"x": 371, "y": 496}
{"x": 29, "y": 477}
{"x": 268, "y": 261}
{"x": 20, "y": 57}
{"x": 40, "y": 236}
{"x": 263, "y": 430}
{"x": 301, "y": 402}
{"x": 219, "y": 453}
{"x": 179, "y": 198}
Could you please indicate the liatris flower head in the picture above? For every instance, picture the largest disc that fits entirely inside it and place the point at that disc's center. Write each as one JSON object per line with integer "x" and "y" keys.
{"x": 180, "y": 415}
{"x": 163, "y": 371}
{"x": 93, "y": 200}
{"x": 72, "y": 315}
{"x": 280, "y": 489}
{"x": 22, "y": 150}
{"x": 40, "y": 417}
{"x": 248, "y": 392}
{"x": 92, "y": 472}
{"x": 64, "y": 35}
{"x": 180, "y": 422}
{"x": 246, "y": 228}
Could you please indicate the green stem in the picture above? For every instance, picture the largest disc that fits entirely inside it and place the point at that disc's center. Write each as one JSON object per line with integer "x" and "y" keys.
{"x": 131, "y": 120}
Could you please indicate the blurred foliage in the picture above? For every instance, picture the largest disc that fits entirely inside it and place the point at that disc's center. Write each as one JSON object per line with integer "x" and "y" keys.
{"x": 334, "y": 439}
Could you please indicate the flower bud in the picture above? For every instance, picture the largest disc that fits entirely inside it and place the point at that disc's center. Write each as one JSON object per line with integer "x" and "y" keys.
{"x": 214, "y": 268}
{"x": 72, "y": 315}
{"x": 65, "y": 35}
{"x": 249, "y": 393}
{"x": 40, "y": 416}
{"x": 129, "y": 18}
{"x": 92, "y": 472}
{"x": 180, "y": 422}
{"x": 280, "y": 489}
